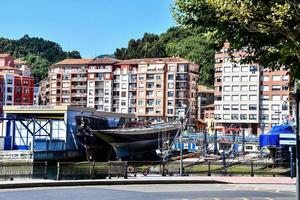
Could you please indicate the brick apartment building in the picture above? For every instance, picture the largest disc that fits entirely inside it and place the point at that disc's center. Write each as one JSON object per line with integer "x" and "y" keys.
{"x": 15, "y": 87}
{"x": 248, "y": 97}
{"x": 154, "y": 89}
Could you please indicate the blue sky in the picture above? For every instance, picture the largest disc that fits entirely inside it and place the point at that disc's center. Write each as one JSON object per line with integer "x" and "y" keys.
{"x": 92, "y": 27}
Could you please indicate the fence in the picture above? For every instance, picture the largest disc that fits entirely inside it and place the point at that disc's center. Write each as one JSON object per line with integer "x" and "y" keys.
{"x": 100, "y": 170}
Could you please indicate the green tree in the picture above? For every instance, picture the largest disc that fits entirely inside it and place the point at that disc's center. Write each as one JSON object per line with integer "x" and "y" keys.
{"x": 270, "y": 29}
{"x": 39, "y": 66}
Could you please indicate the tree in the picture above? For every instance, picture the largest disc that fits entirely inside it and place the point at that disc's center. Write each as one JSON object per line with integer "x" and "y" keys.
{"x": 39, "y": 66}
{"x": 269, "y": 29}
{"x": 73, "y": 54}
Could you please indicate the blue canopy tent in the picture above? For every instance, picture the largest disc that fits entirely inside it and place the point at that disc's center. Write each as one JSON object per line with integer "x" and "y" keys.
{"x": 271, "y": 139}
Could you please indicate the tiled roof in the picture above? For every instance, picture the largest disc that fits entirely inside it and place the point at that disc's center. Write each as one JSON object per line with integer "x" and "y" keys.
{"x": 155, "y": 60}
{"x": 105, "y": 60}
{"x": 20, "y": 62}
{"x": 204, "y": 89}
{"x": 81, "y": 61}
{"x": 8, "y": 68}
{"x": 4, "y": 55}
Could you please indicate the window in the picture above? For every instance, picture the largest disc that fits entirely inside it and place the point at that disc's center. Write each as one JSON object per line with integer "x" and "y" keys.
{"x": 226, "y": 78}
{"x": 140, "y": 102}
{"x": 158, "y": 94}
{"x": 141, "y": 94}
{"x": 285, "y": 106}
{"x": 226, "y": 116}
{"x": 253, "y": 116}
{"x": 170, "y": 111}
{"x": 141, "y": 110}
{"x": 285, "y": 88}
{"x": 285, "y": 78}
{"x": 141, "y": 85}
{"x": 265, "y": 78}
{"x": 276, "y": 97}
{"x": 265, "y": 97}
{"x": 285, "y": 97}
{"x": 235, "y": 79}
{"x": 243, "y": 117}
{"x": 170, "y": 77}
{"x": 170, "y": 94}
{"x": 9, "y": 89}
{"x": 123, "y": 94}
{"x": 235, "y": 88}
{"x": 244, "y": 106}
{"x": 264, "y": 88}
{"x": 275, "y": 116}
{"x": 275, "y": 107}
{"x": 276, "y": 78}
{"x": 276, "y": 87}
{"x": 265, "y": 107}
{"x": 227, "y": 69}
{"x": 171, "y": 68}
{"x": 244, "y": 78}
{"x": 234, "y": 116}
{"x": 253, "y": 88}
{"x": 226, "y": 107}
{"x": 226, "y": 88}
{"x": 123, "y": 85}
{"x": 244, "y": 68}
{"x": 141, "y": 77}
{"x": 170, "y": 85}
{"x": 235, "y": 97}
{"x": 158, "y": 77}
{"x": 244, "y": 88}
{"x": 9, "y": 81}
{"x": 123, "y": 103}
{"x": 170, "y": 102}
{"x": 253, "y": 78}
{"x": 9, "y": 98}
{"x": 235, "y": 69}
{"x": 264, "y": 117}
{"x": 234, "y": 107}
{"x": 244, "y": 97}
{"x": 158, "y": 85}
{"x": 226, "y": 97}
{"x": 107, "y": 84}
{"x": 252, "y": 107}
{"x": 252, "y": 97}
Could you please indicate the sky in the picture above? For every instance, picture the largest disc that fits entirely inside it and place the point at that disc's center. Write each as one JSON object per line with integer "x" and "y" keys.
{"x": 93, "y": 27}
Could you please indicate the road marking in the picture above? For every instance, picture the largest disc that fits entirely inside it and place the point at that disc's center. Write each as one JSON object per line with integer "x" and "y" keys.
{"x": 237, "y": 187}
{"x": 269, "y": 198}
{"x": 243, "y": 198}
{"x": 277, "y": 191}
{"x": 217, "y": 199}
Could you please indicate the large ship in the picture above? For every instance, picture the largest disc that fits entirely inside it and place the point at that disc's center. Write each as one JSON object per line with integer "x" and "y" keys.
{"x": 126, "y": 142}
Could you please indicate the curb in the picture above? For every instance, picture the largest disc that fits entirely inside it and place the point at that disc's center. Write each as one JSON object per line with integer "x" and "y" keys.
{"x": 105, "y": 182}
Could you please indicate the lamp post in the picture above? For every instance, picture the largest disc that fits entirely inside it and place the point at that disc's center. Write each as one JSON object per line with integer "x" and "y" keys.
{"x": 297, "y": 99}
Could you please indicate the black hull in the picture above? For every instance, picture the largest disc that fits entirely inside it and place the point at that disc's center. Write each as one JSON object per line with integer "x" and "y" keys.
{"x": 127, "y": 143}
{"x": 134, "y": 144}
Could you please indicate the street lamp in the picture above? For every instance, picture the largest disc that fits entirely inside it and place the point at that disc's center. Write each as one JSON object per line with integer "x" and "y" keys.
{"x": 297, "y": 99}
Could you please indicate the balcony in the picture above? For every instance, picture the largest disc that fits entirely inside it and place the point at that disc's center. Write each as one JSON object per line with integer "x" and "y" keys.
{"x": 99, "y": 79}
{"x": 80, "y": 103}
{"x": 78, "y": 87}
{"x": 102, "y": 70}
{"x": 99, "y": 94}
{"x": 116, "y": 88}
{"x": 78, "y": 94}
{"x": 79, "y": 79}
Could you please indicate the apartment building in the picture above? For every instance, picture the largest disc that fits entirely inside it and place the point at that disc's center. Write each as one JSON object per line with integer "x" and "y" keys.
{"x": 15, "y": 88}
{"x": 68, "y": 82}
{"x": 247, "y": 98}
{"x": 155, "y": 89}
{"x": 100, "y": 83}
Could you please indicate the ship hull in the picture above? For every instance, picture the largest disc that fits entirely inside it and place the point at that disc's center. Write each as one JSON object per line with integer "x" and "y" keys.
{"x": 138, "y": 143}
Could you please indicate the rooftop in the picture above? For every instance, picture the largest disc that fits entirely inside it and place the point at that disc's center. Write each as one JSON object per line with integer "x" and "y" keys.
{"x": 155, "y": 60}
{"x": 81, "y": 61}
{"x": 205, "y": 89}
{"x": 4, "y": 55}
{"x": 105, "y": 60}
{"x": 19, "y": 62}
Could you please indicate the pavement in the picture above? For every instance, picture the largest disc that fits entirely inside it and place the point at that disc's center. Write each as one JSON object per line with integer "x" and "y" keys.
{"x": 26, "y": 183}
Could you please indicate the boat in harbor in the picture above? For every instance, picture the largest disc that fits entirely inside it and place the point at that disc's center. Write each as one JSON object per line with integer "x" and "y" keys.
{"x": 127, "y": 140}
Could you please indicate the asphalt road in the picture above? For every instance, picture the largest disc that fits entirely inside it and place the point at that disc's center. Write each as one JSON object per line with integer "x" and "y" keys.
{"x": 147, "y": 192}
